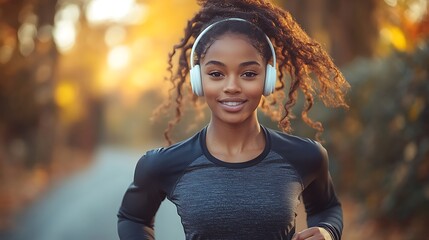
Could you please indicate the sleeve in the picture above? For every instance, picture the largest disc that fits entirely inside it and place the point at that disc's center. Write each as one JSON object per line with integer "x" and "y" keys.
{"x": 321, "y": 203}
{"x": 140, "y": 203}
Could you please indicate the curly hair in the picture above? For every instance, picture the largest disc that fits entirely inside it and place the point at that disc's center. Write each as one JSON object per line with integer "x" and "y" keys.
{"x": 302, "y": 63}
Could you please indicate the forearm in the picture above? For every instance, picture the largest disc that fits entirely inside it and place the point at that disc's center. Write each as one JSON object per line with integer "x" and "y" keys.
{"x": 330, "y": 219}
{"x": 130, "y": 230}
{"x": 321, "y": 203}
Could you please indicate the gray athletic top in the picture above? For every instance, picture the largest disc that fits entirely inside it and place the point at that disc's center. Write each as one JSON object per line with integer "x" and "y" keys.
{"x": 256, "y": 199}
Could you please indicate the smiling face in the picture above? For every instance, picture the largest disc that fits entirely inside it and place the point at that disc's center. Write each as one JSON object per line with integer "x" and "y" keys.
{"x": 233, "y": 74}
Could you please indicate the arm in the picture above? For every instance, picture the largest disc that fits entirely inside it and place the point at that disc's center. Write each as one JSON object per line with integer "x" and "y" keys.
{"x": 321, "y": 203}
{"x": 140, "y": 203}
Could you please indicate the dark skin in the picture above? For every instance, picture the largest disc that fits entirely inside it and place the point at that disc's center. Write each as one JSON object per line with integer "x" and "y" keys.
{"x": 233, "y": 74}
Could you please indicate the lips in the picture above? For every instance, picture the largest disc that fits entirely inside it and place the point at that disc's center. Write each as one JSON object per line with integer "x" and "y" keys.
{"x": 232, "y": 105}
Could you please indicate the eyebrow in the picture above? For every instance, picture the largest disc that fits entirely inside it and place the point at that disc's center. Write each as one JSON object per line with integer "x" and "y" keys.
{"x": 243, "y": 64}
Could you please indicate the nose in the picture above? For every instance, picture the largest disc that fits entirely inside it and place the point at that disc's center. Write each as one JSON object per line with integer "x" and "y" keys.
{"x": 232, "y": 85}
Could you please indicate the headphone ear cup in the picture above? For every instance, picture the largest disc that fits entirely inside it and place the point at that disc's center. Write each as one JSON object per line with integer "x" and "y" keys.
{"x": 270, "y": 80}
{"x": 195, "y": 77}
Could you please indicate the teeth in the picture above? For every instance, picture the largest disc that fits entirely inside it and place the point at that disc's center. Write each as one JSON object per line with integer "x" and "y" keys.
{"x": 232, "y": 103}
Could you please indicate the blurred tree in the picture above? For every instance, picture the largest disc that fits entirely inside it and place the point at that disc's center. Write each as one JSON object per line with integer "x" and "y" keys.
{"x": 36, "y": 141}
{"x": 367, "y": 28}
{"x": 28, "y": 59}
{"x": 27, "y": 68}
{"x": 347, "y": 29}
{"x": 385, "y": 161}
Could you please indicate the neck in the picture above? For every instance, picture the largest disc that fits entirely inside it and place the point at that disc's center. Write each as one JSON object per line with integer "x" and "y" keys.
{"x": 234, "y": 138}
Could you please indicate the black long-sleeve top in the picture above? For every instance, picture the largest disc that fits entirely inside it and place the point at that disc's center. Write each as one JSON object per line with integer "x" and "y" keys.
{"x": 256, "y": 199}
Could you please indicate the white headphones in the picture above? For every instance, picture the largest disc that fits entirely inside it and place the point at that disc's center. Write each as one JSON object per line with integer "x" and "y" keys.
{"x": 195, "y": 72}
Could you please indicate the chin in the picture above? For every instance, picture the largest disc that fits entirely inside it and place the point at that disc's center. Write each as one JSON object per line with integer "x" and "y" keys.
{"x": 234, "y": 120}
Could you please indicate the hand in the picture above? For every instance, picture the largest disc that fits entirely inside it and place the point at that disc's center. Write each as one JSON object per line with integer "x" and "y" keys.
{"x": 314, "y": 233}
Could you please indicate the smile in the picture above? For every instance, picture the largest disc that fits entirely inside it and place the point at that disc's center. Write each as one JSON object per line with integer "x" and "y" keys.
{"x": 232, "y": 104}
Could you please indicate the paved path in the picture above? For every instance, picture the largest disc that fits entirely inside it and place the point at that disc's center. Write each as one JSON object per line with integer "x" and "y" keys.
{"x": 84, "y": 207}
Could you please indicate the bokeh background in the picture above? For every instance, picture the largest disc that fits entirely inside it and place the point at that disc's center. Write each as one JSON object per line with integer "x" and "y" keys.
{"x": 80, "y": 79}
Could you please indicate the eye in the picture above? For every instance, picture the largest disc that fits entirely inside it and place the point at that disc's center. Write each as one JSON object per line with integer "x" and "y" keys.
{"x": 249, "y": 74}
{"x": 215, "y": 74}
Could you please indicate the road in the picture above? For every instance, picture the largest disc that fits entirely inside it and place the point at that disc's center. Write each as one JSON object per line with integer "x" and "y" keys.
{"x": 84, "y": 206}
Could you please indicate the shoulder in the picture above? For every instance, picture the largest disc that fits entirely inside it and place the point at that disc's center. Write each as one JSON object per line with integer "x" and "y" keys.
{"x": 286, "y": 143}
{"x": 306, "y": 155}
{"x": 161, "y": 163}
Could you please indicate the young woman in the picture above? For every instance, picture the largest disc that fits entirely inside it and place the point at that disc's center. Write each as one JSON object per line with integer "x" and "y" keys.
{"x": 236, "y": 179}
